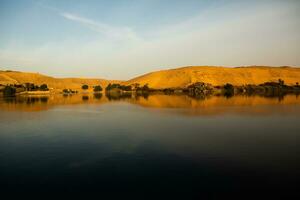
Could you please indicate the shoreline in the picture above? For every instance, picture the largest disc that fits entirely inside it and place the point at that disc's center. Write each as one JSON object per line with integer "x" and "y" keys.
{"x": 34, "y": 93}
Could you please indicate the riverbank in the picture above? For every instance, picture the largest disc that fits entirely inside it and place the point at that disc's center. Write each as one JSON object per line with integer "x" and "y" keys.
{"x": 34, "y": 93}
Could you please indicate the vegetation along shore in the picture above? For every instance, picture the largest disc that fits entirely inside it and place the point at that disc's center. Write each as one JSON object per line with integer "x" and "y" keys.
{"x": 193, "y": 81}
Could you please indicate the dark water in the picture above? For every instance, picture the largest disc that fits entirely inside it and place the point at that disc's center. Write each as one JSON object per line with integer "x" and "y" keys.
{"x": 159, "y": 146}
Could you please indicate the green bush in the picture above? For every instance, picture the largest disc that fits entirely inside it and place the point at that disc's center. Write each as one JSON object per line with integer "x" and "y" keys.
{"x": 97, "y": 88}
{"x": 229, "y": 90}
{"x": 65, "y": 91}
{"x": 85, "y": 87}
{"x": 228, "y": 86}
{"x": 118, "y": 86}
{"x": 281, "y": 82}
{"x": 145, "y": 87}
{"x": 44, "y": 87}
{"x": 31, "y": 87}
{"x": 108, "y": 87}
{"x": 125, "y": 88}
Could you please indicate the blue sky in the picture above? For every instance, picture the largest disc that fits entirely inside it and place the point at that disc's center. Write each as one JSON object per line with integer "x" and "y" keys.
{"x": 123, "y": 38}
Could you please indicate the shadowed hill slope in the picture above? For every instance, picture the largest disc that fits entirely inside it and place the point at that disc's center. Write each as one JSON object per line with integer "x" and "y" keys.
{"x": 182, "y": 77}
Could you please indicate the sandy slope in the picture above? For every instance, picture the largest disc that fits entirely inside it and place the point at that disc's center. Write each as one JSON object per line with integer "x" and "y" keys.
{"x": 182, "y": 77}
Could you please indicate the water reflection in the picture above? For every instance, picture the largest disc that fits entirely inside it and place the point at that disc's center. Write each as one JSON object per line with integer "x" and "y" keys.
{"x": 118, "y": 97}
{"x": 182, "y": 104}
{"x": 98, "y": 144}
{"x": 85, "y": 98}
{"x": 98, "y": 95}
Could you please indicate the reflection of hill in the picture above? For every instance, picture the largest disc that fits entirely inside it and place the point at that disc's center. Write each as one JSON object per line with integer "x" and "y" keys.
{"x": 219, "y": 104}
{"x": 183, "y": 101}
{"x": 39, "y": 103}
{"x": 213, "y": 105}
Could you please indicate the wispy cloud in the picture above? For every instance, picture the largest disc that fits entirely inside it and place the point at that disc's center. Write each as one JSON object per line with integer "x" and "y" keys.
{"x": 112, "y": 32}
{"x": 105, "y": 29}
{"x": 229, "y": 34}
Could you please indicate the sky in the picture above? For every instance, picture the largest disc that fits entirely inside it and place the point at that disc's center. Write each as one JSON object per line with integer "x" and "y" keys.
{"x": 121, "y": 39}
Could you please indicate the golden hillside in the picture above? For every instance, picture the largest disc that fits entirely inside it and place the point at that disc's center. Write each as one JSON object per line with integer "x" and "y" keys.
{"x": 13, "y": 77}
{"x": 182, "y": 77}
{"x": 172, "y": 78}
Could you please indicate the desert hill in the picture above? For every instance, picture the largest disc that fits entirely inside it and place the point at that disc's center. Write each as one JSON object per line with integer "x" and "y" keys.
{"x": 184, "y": 76}
{"x": 172, "y": 78}
{"x": 14, "y": 77}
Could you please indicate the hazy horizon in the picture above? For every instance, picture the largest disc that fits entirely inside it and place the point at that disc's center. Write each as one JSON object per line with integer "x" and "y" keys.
{"x": 123, "y": 39}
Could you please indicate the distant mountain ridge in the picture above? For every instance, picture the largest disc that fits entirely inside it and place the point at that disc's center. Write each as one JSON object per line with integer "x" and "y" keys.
{"x": 171, "y": 78}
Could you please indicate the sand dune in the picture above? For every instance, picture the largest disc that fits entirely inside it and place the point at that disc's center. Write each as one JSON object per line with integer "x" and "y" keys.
{"x": 182, "y": 77}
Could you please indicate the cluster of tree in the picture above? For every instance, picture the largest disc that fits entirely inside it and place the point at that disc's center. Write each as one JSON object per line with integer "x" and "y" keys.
{"x": 118, "y": 86}
{"x": 69, "y": 91}
{"x": 144, "y": 88}
{"x": 33, "y": 87}
{"x": 280, "y": 83}
{"x": 85, "y": 87}
{"x": 228, "y": 90}
{"x": 269, "y": 88}
{"x": 133, "y": 87}
{"x": 97, "y": 88}
{"x": 168, "y": 90}
{"x": 10, "y": 90}
{"x": 228, "y": 87}
{"x": 200, "y": 88}
{"x": 13, "y": 85}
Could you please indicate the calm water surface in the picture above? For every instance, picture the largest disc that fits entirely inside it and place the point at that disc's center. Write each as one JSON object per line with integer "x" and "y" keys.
{"x": 155, "y": 146}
